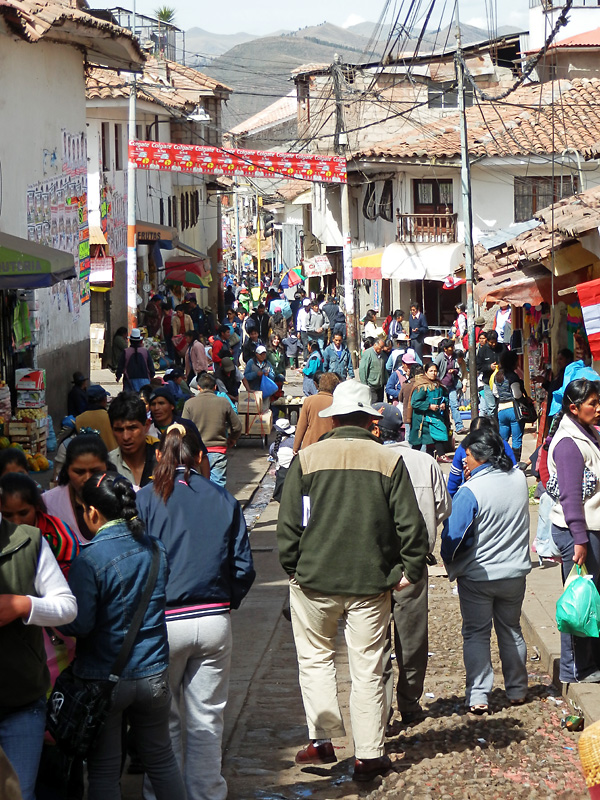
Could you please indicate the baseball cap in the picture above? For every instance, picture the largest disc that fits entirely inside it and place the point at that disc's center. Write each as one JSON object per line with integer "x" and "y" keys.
{"x": 96, "y": 393}
{"x": 409, "y": 357}
{"x": 261, "y": 349}
{"x": 227, "y": 364}
{"x": 391, "y": 418}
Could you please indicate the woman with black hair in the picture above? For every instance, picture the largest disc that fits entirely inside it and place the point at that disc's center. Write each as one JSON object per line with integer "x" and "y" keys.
{"x": 204, "y": 532}
{"x": 86, "y": 454}
{"x": 485, "y": 547}
{"x": 574, "y": 464}
{"x": 456, "y": 477}
{"x": 508, "y": 387}
{"x": 108, "y": 579}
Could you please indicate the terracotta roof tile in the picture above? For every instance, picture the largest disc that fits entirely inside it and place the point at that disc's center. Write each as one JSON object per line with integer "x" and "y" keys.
{"x": 526, "y": 124}
{"x": 102, "y": 41}
{"x": 283, "y": 109}
{"x": 586, "y": 39}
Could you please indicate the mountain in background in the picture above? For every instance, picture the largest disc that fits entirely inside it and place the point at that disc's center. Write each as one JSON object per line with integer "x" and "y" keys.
{"x": 259, "y": 69}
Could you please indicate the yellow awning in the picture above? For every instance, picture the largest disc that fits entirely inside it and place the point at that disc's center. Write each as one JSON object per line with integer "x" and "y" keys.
{"x": 368, "y": 265}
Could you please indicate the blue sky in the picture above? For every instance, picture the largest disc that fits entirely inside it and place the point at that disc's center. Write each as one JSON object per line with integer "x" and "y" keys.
{"x": 261, "y": 17}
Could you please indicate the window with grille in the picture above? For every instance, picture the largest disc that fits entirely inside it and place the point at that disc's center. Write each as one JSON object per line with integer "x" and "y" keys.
{"x": 534, "y": 193}
{"x": 445, "y": 95}
{"x": 386, "y": 210}
{"x": 370, "y": 202}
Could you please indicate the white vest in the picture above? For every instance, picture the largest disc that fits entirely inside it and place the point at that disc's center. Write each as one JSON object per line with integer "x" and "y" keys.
{"x": 591, "y": 458}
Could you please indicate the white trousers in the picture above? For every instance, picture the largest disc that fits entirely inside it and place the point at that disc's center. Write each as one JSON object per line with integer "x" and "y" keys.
{"x": 199, "y": 669}
{"x": 315, "y": 623}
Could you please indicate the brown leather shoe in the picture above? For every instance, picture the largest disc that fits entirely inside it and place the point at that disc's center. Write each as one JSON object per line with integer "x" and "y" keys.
{"x": 365, "y": 769}
{"x": 321, "y": 754}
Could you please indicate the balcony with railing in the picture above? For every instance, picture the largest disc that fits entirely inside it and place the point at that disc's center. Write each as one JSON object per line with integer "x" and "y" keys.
{"x": 426, "y": 227}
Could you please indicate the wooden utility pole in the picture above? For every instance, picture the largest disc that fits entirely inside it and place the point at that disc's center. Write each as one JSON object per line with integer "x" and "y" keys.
{"x": 340, "y": 149}
{"x": 465, "y": 181}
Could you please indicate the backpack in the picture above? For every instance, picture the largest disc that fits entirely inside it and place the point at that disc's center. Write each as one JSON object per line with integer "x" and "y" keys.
{"x": 387, "y": 323}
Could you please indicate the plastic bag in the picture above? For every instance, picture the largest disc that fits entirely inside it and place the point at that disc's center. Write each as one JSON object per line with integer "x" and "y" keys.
{"x": 578, "y": 607}
{"x": 267, "y": 386}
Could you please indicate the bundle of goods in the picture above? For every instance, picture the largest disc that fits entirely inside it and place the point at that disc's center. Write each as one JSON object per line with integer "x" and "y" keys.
{"x": 255, "y": 421}
{"x": 29, "y": 426}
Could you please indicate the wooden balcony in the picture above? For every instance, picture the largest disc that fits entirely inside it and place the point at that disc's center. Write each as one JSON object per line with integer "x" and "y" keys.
{"x": 426, "y": 227}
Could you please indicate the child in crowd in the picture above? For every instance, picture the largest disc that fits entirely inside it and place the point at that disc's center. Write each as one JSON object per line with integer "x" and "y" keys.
{"x": 293, "y": 346}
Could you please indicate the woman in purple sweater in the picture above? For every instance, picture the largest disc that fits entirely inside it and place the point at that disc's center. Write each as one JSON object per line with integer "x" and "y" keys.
{"x": 574, "y": 458}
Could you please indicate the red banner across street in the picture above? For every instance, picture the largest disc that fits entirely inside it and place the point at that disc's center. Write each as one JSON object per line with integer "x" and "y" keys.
{"x": 204, "y": 160}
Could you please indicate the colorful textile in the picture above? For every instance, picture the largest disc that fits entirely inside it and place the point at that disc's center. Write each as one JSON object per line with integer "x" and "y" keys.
{"x": 63, "y": 542}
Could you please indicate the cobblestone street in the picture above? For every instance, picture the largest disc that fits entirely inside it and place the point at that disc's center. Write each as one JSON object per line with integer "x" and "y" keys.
{"x": 517, "y": 752}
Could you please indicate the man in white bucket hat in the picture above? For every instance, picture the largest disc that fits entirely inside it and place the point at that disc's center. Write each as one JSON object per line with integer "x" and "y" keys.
{"x": 349, "y": 531}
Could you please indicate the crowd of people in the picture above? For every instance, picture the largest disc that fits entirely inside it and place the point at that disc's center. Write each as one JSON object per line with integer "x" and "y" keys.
{"x": 141, "y": 507}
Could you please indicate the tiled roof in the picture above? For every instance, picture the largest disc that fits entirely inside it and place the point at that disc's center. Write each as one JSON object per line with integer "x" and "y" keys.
{"x": 586, "y": 39}
{"x": 281, "y": 110}
{"x": 165, "y": 81}
{"x": 62, "y": 22}
{"x": 527, "y": 123}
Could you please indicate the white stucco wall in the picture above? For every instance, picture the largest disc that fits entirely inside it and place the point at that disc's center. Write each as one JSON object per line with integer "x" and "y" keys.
{"x": 41, "y": 92}
{"x": 584, "y": 17}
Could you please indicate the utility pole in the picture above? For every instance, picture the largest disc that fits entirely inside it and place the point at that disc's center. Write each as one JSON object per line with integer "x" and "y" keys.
{"x": 238, "y": 258}
{"x": 131, "y": 204}
{"x": 340, "y": 143}
{"x": 258, "y": 207}
{"x": 465, "y": 181}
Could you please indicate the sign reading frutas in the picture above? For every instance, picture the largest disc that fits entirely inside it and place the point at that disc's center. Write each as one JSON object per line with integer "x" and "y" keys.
{"x": 204, "y": 160}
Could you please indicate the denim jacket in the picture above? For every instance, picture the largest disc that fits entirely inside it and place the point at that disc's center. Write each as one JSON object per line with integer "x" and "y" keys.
{"x": 108, "y": 578}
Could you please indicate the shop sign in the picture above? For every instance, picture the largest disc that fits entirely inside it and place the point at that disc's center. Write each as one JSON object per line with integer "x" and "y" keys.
{"x": 102, "y": 270}
{"x": 317, "y": 266}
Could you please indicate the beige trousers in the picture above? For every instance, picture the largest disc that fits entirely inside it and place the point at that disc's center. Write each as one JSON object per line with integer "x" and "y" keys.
{"x": 315, "y": 623}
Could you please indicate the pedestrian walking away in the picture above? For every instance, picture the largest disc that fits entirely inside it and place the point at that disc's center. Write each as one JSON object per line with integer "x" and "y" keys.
{"x": 345, "y": 496}
{"x": 574, "y": 463}
{"x": 410, "y": 606}
{"x": 203, "y": 530}
{"x": 108, "y": 579}
{"x": 485, "y": 547}
{"x": 312, "y": 369}
{"x": 311, "y": 426}
{"x": 218, "y": 423}
{"x": 508, "y": 387}
{"x": 135, "y": 365}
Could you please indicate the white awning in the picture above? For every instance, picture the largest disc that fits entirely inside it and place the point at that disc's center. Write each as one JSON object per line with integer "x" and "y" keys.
{"x": 421, "y": 261}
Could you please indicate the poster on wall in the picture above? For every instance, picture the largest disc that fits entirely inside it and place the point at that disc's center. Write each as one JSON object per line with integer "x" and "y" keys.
{"x": 113, "y": 221}
{"x": 55, "y": 217}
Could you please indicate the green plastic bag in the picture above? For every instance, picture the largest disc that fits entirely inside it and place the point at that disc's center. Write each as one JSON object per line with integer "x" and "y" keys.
{"x": 578, "y": 607}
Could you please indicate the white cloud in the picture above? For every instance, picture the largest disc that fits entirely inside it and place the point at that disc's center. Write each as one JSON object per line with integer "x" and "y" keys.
{"x": 477, "y": 22}
{"x": 353, "y": 19}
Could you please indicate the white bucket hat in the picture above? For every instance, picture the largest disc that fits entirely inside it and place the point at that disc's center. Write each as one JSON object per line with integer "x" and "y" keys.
{"x": 285, "y": 426}
{"x": 348, "y": 398}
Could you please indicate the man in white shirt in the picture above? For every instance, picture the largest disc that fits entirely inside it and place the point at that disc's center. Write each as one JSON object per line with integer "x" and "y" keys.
{"x": 301, "y": 325}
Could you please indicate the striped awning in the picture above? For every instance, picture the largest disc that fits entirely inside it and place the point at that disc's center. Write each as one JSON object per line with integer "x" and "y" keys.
{"x": 368, "y": 265}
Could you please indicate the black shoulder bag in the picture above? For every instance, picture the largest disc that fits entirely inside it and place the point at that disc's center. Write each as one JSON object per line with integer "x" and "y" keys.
{"x": 78, "y": 707}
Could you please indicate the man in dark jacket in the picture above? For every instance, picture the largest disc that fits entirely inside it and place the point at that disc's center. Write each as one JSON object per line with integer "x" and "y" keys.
{"x": 261, "y": 320}
{"x": 488, "y": 358}
{"x": 418, "y": 329}
{"x": 344, "y": 497}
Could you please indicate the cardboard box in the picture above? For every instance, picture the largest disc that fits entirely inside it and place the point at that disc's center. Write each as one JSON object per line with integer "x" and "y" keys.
{"x": 31, "y": 399}
{"x": 97, "y": 335}
{"x": 257, "y": 424}
{"x": 250, "y": 402}
{"x": 95, "y": 361}
{"x": 30, "y": 379}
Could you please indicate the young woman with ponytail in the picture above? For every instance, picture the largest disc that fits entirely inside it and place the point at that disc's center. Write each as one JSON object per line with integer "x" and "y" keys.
{"x": 485, "y": 546}
{"x": 108, "y": 578}
{"x": 204, "y": 532}
{"x": 574, "y": 461}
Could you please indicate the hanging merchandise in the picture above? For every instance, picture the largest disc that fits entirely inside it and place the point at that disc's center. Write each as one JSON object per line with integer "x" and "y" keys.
{"x": 21, "y": 327}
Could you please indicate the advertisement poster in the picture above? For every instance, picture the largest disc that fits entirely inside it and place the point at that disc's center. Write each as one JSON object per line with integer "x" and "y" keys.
{"x": 236, "y": 162}
{"x": 57, "y": 214}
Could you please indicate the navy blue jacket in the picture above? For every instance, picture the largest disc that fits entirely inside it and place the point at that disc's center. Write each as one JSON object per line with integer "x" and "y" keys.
{"x": 108, "y": 578}
{"x": 418, "y": 328}
{"x": 203, "y": 529}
